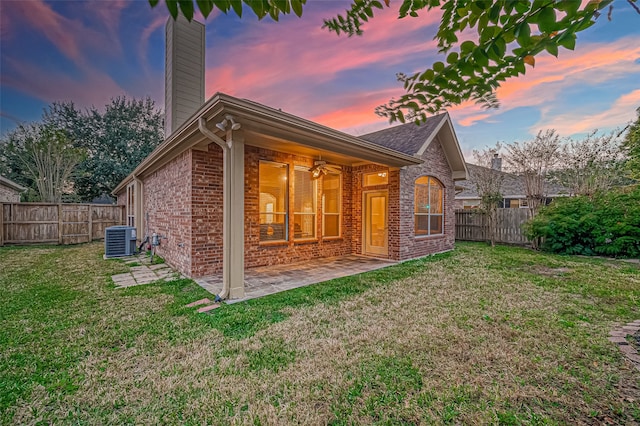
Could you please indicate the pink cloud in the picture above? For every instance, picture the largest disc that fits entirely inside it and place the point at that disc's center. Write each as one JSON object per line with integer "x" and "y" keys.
{"x": 93, "y": 88}
{"x": 621, "y": 111}
{"x": 282, "y": 64}
{"x": 354, "y": 111}
{"x": 68, "y": 35}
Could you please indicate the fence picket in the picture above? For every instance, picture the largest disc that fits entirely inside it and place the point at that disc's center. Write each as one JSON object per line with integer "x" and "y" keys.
{"x": 471, "y": 225}
{"x": 38, "y": 223}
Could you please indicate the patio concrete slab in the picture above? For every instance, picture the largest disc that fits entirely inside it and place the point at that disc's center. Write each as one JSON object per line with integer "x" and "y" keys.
{"x": 266, "y": 280}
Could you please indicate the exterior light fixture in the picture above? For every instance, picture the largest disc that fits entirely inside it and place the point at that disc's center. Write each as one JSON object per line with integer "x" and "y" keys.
{"x": 228, "y": 119}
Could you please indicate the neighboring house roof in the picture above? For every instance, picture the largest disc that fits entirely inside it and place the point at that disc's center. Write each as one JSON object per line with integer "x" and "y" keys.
{"x": 414, "y": 139}
{"x": 11, "y": 184}
{"x": 272, "y": 129}
{"x": 512, "y": 185}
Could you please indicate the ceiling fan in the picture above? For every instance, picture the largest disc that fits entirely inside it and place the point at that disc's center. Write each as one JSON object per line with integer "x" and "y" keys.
{"x": 320, "y": 168}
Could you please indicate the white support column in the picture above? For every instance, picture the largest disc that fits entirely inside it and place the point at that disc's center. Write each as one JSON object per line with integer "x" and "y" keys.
{"x": 234, "y": 178}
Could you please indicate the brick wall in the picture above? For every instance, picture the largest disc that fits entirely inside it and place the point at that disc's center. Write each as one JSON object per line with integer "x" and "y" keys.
{"x": 435, "y": 165}
{"x": 207, "y": 211}
{"x": 9, "y": 195}
{"x": 167, "y": 200}
{"x": 257, "y": 254}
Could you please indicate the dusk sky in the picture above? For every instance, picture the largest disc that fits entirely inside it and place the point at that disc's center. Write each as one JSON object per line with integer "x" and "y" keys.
{"x": 89, "y": 52}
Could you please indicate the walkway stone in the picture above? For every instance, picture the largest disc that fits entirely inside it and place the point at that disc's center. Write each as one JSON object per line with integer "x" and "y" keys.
{"x": 198, "y": 303}
{"x": 208, "y": 308}
{"x": 619, "y": 335}
{"x": 144, "y": 273}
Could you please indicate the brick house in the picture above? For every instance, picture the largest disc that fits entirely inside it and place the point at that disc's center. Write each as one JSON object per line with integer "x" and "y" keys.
{"x": 237, "y": 184}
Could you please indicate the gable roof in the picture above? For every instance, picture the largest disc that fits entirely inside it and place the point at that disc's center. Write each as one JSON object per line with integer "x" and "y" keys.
{"x": 11, "y": 184}
{"x": 512, "y": 185}
{"x": 414, "y": 139}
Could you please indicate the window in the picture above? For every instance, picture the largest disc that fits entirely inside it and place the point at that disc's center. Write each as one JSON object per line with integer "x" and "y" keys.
{"x": 376, "y": 178}
{"x": 273, "y": 201}
{"x": 304, "y": 204}
{"x": 131, "y": 204}
{"x": 428, "y": 206}
{"x": 331, "y": 205}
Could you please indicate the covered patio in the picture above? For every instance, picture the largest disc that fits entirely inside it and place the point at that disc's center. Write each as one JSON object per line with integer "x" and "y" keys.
{"x": 266, "y": 280}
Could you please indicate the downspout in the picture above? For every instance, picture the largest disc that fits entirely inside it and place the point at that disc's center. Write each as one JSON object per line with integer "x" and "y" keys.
{"x": 225, "y": 204}
{"x": 140, "y": 199}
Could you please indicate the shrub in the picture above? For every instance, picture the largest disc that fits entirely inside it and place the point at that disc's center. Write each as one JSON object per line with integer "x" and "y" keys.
{"x": 607, "y": 223}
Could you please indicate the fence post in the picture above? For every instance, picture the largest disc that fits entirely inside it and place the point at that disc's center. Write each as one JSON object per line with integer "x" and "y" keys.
{"x": 90, "y": 223}
{"x": 59, "y": 223}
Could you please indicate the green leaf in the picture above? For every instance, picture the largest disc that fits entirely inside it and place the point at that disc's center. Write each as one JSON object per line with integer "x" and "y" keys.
{"x": 523, "y": 34}
{"x": 205, "y": 6}
{"x": 494, "y": 13}
{"x": 172, "y": 5}
{"x": 467, "y": 47}
{"x": 481, "y": 57}
{"x": 552, "y": 48}
{"x": 427, "y": 75}
{"x": 282, "y": 5}
{"x": 413, "y": 105}
{"x": 452, "y": 58}
{"x": 438, "y": 66}
{"x": 466, "y": 68}
{"x": 153, "y": 3}
{"x": 223, "y": 5}
{"x": 236, "y": 5}
{"x": 568, "y": 41}
{"x": 522, "y": 6}
{"x": 186, "y": 6}
{"x": 547, "y": 20}
{"x": 296, "y": 5}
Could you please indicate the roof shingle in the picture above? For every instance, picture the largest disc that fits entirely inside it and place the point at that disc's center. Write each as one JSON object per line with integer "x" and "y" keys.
{"x": 406, "y": 138}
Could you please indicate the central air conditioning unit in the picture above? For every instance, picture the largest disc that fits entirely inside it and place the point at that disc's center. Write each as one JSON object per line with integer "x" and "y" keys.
{"x": 119, "y": 241}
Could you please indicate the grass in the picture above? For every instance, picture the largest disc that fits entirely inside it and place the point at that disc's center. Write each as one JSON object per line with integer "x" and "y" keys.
{"x": 475, "y": 336}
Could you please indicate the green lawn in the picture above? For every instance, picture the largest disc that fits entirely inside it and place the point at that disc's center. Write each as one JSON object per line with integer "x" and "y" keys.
{"x": 474, "y": 336}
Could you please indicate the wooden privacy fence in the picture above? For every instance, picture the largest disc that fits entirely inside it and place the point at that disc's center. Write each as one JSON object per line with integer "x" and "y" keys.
{"x": 46, "y": 223}
{"x": 471, "y": 225}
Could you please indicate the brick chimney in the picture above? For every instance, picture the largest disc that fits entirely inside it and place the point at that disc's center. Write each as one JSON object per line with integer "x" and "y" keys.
{"x": 184, "y": 71}
{"x": 496, "y": 163}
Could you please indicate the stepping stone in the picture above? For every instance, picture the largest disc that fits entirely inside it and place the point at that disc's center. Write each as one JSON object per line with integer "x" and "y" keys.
{"x": 619, "y": 340}
{"x": 208, "y": 308}
{"x": 618, "y": 333}
{"x": 121, "y": 277}
{"x": 198, "y": 302}
{"x": 160, "y": 266}
{"x": 628, "y": 349}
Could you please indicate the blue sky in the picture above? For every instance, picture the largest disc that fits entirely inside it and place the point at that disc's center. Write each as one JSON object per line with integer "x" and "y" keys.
{"x": 89, "y": 52}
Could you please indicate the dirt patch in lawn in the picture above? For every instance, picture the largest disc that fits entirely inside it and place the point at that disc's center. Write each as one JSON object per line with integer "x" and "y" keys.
{"x": 551, "y": 272}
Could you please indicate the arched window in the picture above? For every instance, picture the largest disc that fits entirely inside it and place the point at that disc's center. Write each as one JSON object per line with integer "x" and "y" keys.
{"x": 428, "y": 206}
